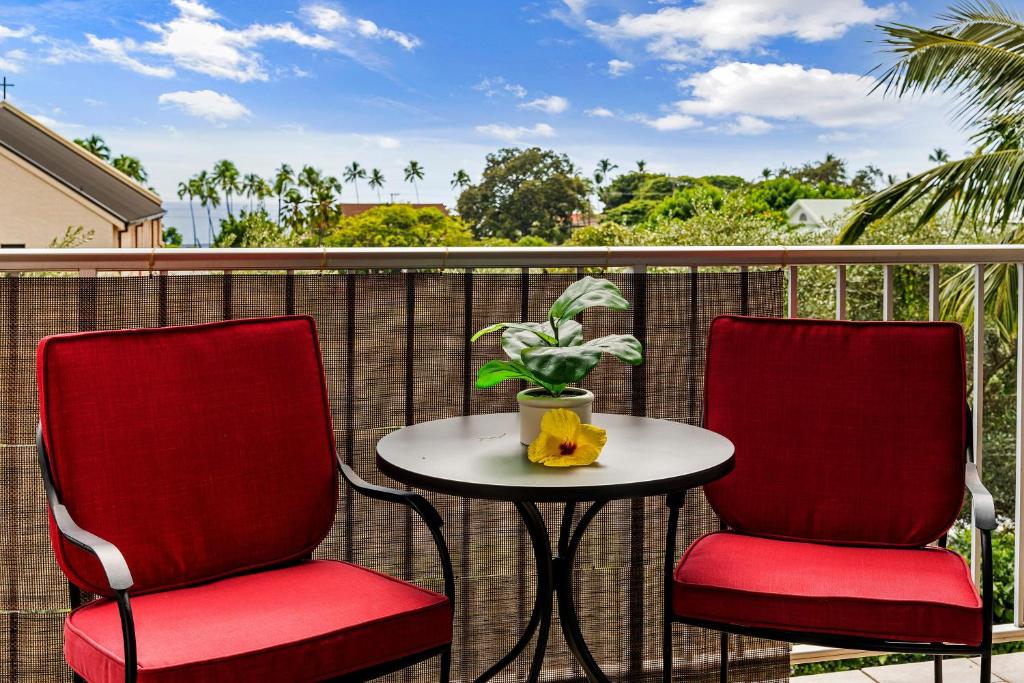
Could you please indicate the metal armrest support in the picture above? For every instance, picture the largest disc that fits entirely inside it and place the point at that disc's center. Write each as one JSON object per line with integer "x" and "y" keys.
{"x": 114, "y": 565}
{"x": 119, "y": 577}
{"x": 421, "y": 506}
{"x": 981, "y": 500}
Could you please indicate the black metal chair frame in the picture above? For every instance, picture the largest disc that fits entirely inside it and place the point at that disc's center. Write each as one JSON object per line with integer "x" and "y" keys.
{"x": 985, "y": 522}
{"x": 119, "y": 577}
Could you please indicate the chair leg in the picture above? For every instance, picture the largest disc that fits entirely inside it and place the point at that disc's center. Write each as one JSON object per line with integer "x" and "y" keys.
{"x": 446, "y": 665}
{"x": 666, "y": 653}
{"x": 986, "y": 665}
{"x": 723, "y": 671}
{"x": 938, "y": 668}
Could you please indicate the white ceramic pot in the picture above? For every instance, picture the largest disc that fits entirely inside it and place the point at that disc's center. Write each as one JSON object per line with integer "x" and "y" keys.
{"x": 533, "y": 403}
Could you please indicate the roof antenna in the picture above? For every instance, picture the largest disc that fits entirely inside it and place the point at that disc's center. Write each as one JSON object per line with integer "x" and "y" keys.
{"x": 4, "y": 85}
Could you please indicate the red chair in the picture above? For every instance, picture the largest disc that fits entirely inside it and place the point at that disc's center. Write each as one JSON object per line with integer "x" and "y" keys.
{"x": 190, "y": 473}
{"x": 853, "y": 447}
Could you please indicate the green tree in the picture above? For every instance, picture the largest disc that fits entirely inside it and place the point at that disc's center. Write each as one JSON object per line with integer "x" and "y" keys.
{"x": 400, "y": 225}
{"x": 95, "y": 144}
{"x": 461, "y": 180}
{"x": 74, "y": 236}
{"x": 939, "y": 156}
{"x": 250, "y": 229}
{"x": 525, "y": 192}
{"x": 294, "y": 202}
{"x": 724, "y": 182}
{"x": 376, "y": 182}
{"x": 641, "y": 167}
{"x": 131, "y": 167}
{"x": 975, "y": 53}
{"x": 353, "y": 173}
{"x": 413, "y": 173}
{"x": 251, "y": 188}
{"x": 171, "y": 237}
{"x": 185, "y": 188}
{"x": 779, "y": 193}
{"x": 226, "y": 178}
{"x": 687, "y": 202}
{"x": 209, "y": 198}
{"x": 284, "y": 178}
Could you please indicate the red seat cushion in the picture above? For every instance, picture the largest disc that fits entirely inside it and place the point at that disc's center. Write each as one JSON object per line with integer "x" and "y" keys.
{"x": 199, "y": 451}
{"x": 303, "y": 623}
{"x": 916, "y": 595}
{"x": 845, "y": 432}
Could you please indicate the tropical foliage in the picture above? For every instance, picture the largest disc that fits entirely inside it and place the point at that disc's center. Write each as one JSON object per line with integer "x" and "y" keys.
{"x": 399, "y": 225}
{"x": 124, "y": 163}
{"x": 553, "y": 354}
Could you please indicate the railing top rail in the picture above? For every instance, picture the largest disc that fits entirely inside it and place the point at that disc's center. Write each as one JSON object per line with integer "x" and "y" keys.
{"x": 493, "y": 257}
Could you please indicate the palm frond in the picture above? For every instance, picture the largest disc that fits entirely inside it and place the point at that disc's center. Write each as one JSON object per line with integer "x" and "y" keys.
{"x": 988, "y": 186}
{"x": 978, "y": 55}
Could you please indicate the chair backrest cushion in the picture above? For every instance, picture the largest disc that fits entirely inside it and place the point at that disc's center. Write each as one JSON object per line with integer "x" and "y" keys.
{"x": 199, "y": 451}
{"x": 845, "y": 432}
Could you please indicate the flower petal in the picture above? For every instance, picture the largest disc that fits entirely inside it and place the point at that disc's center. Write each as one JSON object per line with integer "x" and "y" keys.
{"x": 591, "y": 435}
{"x": 560, "y": 423}
{"x": 544, "y": 447}
{"x": 585, "y": 454}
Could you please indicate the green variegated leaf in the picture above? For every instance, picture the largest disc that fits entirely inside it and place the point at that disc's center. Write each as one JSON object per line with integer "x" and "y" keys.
{"x": 561, "y": 364}
{"x": 497, "y": 371}
{"x": 547, "y": 337}
{"x": 514, "y": 340}
{"x": 584, "y": 294}
{"x": 625, "y": 347}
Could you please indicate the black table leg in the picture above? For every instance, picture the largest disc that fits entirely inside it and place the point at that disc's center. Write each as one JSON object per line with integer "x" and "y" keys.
{"x": 554, "y": 576}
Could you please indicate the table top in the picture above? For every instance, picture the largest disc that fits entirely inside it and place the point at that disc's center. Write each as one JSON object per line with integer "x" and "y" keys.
{"x": 479, "y": 456}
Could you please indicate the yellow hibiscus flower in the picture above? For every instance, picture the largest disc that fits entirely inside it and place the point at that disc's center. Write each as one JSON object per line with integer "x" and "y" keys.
{"x": 564, "y": 441}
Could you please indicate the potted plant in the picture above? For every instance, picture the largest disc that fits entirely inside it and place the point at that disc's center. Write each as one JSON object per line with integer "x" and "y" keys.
{"x": 553, "y": 355}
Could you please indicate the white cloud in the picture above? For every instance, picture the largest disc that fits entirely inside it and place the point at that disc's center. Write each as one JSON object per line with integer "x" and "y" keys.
{"x": 788, "y": 92}
{"x": 381, "y": 141}
{"x": 332, "y": 19}
{"x": 748, "y": 125}
{"x": 686, "y": 33}
{"x": 116, "y": 51}
{"x": 8, "y": 32}
{"x": 516, "y": 133}
{"x": 550, "y": 105}
{"x": 206, "y": 104}
{"x": 498, "y": 86}
{"x": 670, "y": 122}
{"x": 195, "y": 40}
{"x": 619, "y": 67}
{"x": 600, "y": 113}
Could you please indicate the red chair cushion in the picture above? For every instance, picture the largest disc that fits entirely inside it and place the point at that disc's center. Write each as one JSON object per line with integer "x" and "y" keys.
{"x": 920, "y": 595}
{"x": 308, "y": 622}
{"x": 199, "y": 451}
{"x": 845, "y": 432}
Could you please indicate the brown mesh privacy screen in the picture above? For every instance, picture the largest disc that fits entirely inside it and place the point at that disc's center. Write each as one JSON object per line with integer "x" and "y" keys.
{"x": 396, "y": 351}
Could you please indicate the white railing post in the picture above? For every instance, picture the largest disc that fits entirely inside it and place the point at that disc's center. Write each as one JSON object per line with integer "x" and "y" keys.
{"x": 887, "y": 287}
{"x": 841, "y": 292}
{"x": 934, "y": 274}
{"x": 1018, "y": 518}
{"x": 793, "y": 297}
{"x": 978, "y": 398}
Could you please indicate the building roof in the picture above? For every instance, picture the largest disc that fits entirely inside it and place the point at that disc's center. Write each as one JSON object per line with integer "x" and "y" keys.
{"x": 818, "y": 212}
{"x": 349, "y": 210}
{"x": 75, "y": 167}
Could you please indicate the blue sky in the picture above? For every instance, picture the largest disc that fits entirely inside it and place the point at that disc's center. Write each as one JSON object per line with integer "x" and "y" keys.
{"x": 690, "y": 86}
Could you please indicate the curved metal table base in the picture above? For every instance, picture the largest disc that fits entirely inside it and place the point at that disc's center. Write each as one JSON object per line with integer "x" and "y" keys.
{"x": 554, "y": 578}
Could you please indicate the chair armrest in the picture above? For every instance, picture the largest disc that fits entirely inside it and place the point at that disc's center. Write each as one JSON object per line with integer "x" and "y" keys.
{"x": 981, "y": 500}
{"x": 114, "y": 565}
{"x": 414, "y": 500}
{"x": 423, "y": 508}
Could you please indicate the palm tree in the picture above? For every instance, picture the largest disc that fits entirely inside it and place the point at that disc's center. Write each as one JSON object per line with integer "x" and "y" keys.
{"x": 976, "y": 54}
{"x": 938, "y": 156}
{"x": 414, "y": 172}
{"x": 284, "y": 177}
{"x": 353, "y": 174}
{"x": 95, "y": 144}
{"x": 225, "y": 176}
{"x": 461, "y": 180}
{"x": 250, "y": 187}
{"x": 209, "y": 198}
{"x": 766, "y": 173}
{"x": 308, "y": 178}
{"x": 605, "y": 168}
{"x": 641, "y": 167}
{"x": 376, "y": 182}
{"x": 294, "y": 200}
{"x": 131, "y": 167}
{"x": 185, "y": 188}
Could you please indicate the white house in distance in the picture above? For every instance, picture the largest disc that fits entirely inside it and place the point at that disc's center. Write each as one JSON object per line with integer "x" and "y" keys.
{"x": 818, "y": 214}
{"x": 49, "y": 184}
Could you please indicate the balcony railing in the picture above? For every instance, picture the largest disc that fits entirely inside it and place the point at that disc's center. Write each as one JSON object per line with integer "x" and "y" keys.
{"x": 929, "y": 262}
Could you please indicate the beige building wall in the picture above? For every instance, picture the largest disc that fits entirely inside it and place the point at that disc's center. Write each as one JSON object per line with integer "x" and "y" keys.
{"x": 35, "y": 209}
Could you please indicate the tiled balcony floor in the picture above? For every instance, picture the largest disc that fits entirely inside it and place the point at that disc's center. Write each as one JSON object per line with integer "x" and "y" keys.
{"x": 1005, "y": 669}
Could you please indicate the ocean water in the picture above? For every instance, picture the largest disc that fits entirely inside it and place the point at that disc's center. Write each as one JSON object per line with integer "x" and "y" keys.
{"x": 177, "y": 215}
